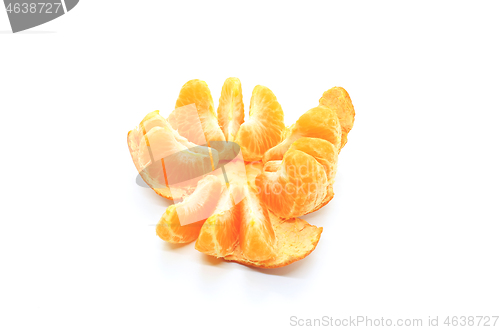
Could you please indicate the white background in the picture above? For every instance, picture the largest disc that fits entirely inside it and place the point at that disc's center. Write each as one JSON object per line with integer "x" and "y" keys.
{"x": 413, "y": 230}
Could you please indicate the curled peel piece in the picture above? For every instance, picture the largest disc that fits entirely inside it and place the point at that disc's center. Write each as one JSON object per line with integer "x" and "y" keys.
{"x": 319, "y": 122}
{"x": 156, "y": 146}
{"x": 160, "y": 143}
{"x": 170, "y": 163}
{"x": 152, "y": 176}
{"x": 193, "y": 211}
{"x": 230, "y": 112}
{"x": 301, "y": 183}
{"x": 154, "y": 119}
{"x": 264, "y": 127}
{"x": 338, "y": 100}
{"x": 295, "y": 240}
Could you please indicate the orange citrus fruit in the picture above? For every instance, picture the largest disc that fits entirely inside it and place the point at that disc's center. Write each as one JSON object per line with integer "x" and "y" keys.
{"x": 250, "y": 216}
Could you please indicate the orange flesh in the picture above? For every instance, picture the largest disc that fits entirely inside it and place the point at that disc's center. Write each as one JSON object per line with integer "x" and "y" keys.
{"x": 302, "y": 182}
{"x": 196, "y": 206}
{"x": 264, "y": 127}
{"x": 296, "y": 188}
{"x": 219, "y": 235}
{"x": 230, "y": 112}
{"x": 295, "y": 238}
{"x": 320, "y": 122}
{"x": 257, "y": 237}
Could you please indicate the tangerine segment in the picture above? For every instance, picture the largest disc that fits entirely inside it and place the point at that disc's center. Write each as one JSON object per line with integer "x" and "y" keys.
{"x": 154, "y": 119}
{"x": 151, "y": 120}
{"x": 244, "y": 225}
{"x": 300, "y": 184}
{"x": 272, "y": 165}
{"x": 319, "y": 122}
{"x": 323, "y": 151}
{"x": 196, "y": 92}
{"x": 257, "y": 237}
{"x": 338, "y": 99}
{"x": 230, "y": 112}
{"x": 199, "y": 125}
{"x": 326, "y": 200}
{"x": 327, "y": 155}
{"x": 295, "y": 238}
{"x": 264, "y": 128}
{"x": 193, "y": 210}
{"x": 253, "y": 169}
{"x": 219, "y": 235}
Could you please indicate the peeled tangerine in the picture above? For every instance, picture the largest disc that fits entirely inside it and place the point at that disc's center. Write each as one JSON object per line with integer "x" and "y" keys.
{"x": 251, "y": 218}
